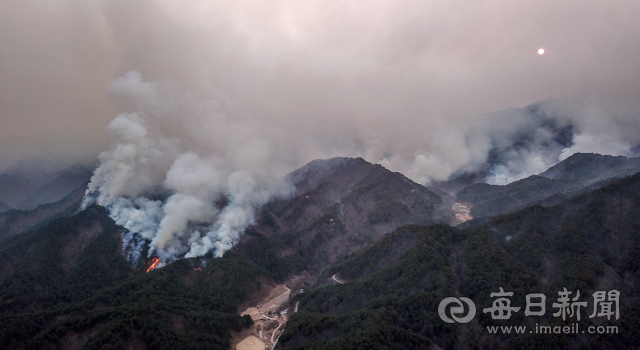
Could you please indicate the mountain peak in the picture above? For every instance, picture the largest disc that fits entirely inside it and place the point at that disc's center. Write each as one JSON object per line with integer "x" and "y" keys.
{"x": 341, "y": 204}
{"x": 592, "y": 166}
{"x": 342, "y": 172}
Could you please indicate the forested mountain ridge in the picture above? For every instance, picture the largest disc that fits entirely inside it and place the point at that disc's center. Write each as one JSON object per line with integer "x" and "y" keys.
{"x": 67, "y": 285}
{"x": 17, "y": 221}
{"x": 343, "y": 204}
{"x": 26, "y": 191}
{"x": 392, "y": 290}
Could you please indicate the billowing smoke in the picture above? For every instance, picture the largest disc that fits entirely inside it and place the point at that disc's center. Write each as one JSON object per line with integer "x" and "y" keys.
{"x": 185, "y": 175}
{"x": 552, "y": 130}
{"x": 181, "y": 196}
{"x": 506, "y": 146}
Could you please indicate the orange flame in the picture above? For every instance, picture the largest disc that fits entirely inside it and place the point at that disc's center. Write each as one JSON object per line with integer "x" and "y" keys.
{"x": 211, "y": 270}
{"x": 198, "y": 269}
{"x": 155, "y": 262}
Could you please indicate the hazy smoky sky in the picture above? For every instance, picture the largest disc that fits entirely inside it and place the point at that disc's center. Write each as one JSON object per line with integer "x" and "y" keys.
{"x": 278, "y": 83}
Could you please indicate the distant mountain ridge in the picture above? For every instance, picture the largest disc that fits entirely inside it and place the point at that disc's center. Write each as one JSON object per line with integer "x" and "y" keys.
{"x": 64, "y": 183}
{"x": 592, "y": 167}
{"x": 13, "y": 188}
{"x": 18, "y": 192}
{"x": 16, "y": 221}
{"x": 577, "y": 174}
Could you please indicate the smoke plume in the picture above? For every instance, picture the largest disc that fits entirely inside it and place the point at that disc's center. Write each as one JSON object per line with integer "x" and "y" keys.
{"x": 182, "y": 196}
{"x": 185, "y": 176}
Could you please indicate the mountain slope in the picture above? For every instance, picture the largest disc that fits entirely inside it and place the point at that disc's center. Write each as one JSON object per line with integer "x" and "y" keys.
{"x": 590, "y": 167}
{"x": 68, "y": 286}
{"x": 343, "y": 204}
{"x": 17, "y": 221}
{"x": 392, "y": 290}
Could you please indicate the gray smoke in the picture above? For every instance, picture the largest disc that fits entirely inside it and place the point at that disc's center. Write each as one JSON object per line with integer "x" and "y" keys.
{"x": 185, "y": 177}
{"x": 182, "y": 196}
{"x": 552, "y": 130}
{"x": 392, "y": 78}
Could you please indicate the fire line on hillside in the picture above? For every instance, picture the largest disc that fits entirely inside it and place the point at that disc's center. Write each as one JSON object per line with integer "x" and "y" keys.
{"x": 155, "y": 262}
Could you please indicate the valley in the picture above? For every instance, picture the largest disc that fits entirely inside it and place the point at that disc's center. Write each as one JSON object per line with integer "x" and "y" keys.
{"x": 268, "y": 318}
{"x": 269, "y": 314}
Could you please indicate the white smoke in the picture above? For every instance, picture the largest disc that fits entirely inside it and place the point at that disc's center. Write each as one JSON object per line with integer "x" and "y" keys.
{"x": 606, "y": 126}
{"x": 517, "y": 167}
{"x": 182, "y": 201}
{"x": 186, "y": 175}
{"x": 602, "y": 144}
{"x": 530, "y": 140}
